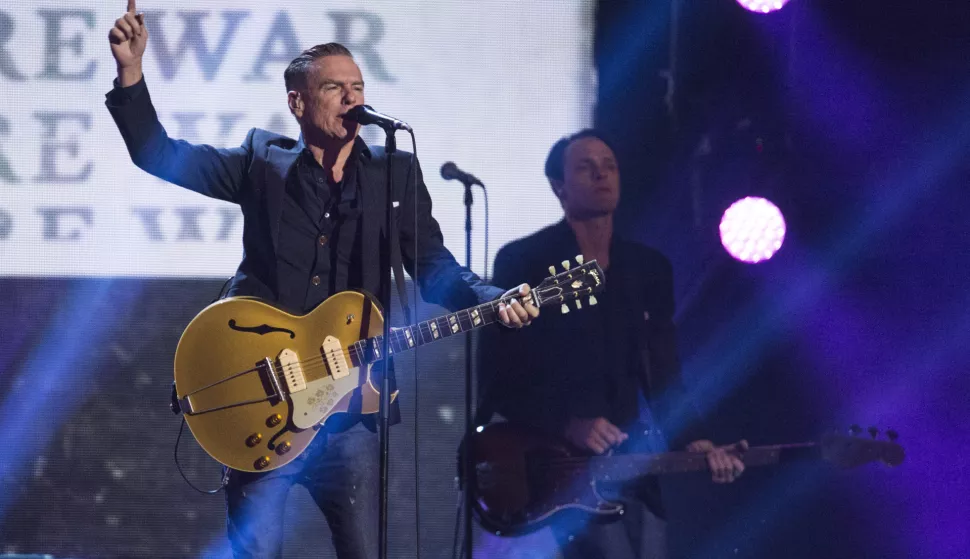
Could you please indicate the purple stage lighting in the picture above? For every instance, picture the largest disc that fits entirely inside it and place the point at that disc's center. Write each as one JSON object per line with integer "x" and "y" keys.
{"x": 762, "y": 6}
{"x": 752, "y": 229}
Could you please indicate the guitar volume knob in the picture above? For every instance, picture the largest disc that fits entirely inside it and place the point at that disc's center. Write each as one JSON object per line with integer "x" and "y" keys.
{"x": 254, "y": 439}
{"x": 262, "y": 462}
{"x": 283, "y": 448}
{"x": 274, "y": 420}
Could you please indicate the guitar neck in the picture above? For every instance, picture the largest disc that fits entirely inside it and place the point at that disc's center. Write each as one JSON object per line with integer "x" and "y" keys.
{"x": 557, "y": 289}
{"x": 624, "y": 468}
{"x": 409, "y": 337}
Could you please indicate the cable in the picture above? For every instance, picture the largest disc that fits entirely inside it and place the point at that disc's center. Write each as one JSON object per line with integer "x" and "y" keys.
{"x": 222, "y": 290}
{"x": 414, "y": 375}
{"x": 225, "y": 474}
{"x": 458, "y": 515}
{"x": 485, "y": 192}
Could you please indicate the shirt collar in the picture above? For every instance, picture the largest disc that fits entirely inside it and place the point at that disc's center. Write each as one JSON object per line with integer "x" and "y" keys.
{"x": 360, "y": 150}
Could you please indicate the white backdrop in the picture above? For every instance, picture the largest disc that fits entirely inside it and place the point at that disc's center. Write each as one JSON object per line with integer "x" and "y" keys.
{"x": 489, "y": 85}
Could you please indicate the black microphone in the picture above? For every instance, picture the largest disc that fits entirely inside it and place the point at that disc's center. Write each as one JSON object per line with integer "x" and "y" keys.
{"x": 450, "y": 171}
{"x": 365, "y": 114}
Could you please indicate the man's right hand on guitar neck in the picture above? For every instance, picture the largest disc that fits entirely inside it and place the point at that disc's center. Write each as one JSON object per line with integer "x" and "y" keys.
{"x": 596, "y": 435}
{"x": 128, "y": 38}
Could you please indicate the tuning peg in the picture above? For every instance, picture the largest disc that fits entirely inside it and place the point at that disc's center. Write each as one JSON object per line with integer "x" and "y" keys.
{"x": 552, "y": 270}
{"x": 592, "y": 300}
{"x": 579, "y": 259}
{"x": 892, "y": 434}
{"x": 579, "y": 304}
{"x": 854, "y": 430}
{"x": 564, "y": 308}
{"x": 873, "y": 432}
{"x": 565, "y": 265}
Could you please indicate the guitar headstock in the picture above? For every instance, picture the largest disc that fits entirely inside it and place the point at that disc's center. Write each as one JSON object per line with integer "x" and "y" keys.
{"x": 853, "y": 450}
{"x": 573, "y": 284}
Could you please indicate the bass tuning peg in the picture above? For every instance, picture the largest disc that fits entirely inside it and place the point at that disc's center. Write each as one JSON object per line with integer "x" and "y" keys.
{"x": 892, "y": 434}
{"x": 579, "y": 259}
{"x": 564, "y": 309}
{"x": 873, "y": 432}
{"x": 592, "y": 300}
{"x": 854, "y": 429}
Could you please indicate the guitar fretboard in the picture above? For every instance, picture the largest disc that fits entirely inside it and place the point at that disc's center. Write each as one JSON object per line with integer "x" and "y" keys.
{"x": 409, "y": 337}
{"x": 623, "y": 468}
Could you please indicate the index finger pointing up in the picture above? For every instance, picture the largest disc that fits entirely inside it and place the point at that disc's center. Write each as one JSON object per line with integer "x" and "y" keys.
{"x": 131, "y": 6}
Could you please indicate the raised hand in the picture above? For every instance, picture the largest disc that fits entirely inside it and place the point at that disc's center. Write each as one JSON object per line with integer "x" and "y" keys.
{"x": 128, "y": 39}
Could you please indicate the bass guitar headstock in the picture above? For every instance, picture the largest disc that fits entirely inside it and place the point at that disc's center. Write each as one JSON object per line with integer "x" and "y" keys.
{"x": 854, "y": 449}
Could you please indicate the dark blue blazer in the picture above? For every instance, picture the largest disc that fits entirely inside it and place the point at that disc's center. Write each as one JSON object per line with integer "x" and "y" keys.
{"x": 254, "y": 175}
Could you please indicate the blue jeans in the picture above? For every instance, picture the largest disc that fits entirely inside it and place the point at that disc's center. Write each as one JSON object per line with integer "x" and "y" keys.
{"x": 638, "y": 534}
{"x": 340, "y": 471}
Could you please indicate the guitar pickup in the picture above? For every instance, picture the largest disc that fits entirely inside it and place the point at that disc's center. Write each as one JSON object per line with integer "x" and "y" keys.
{"x": 292, "y": 370}
{"x": 333, "y": 356}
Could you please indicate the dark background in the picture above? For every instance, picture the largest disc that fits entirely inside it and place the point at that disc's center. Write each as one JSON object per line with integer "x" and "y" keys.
{"x": 862, "y": 114}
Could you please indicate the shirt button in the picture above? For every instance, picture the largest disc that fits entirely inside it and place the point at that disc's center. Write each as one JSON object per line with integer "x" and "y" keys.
{"x": 320, "y": 180}
{"x": 327, "y": 215}
{"x": 323, "y": 240}
{"x": 315, "y": 280}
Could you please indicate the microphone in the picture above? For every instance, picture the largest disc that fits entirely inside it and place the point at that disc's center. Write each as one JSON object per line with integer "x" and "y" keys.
{"x": 450, "y": 171}
{"x": 365, "y": 114}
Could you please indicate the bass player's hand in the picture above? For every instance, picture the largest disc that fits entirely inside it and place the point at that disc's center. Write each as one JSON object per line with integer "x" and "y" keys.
{"x": 597, "y": 435}
{"x": 724, "y": 461}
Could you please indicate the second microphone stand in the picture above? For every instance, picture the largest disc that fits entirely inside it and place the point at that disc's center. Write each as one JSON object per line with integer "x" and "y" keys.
{"x": 468, "y": 462}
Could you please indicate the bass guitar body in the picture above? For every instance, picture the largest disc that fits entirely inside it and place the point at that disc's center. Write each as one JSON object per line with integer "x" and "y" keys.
{"x": 517, "y": 490}
{"x": 256, "y": 383}
{"x": 524, "y": 478}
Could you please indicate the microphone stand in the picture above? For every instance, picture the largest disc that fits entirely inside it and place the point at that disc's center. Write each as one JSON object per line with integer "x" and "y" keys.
{"x": 468, "y": 463}
{"x": 390, "y": 147}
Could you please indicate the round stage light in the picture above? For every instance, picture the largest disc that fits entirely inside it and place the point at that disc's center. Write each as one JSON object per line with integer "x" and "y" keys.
{"x": 762, "y": 6}
{"x": 752, "y": 229}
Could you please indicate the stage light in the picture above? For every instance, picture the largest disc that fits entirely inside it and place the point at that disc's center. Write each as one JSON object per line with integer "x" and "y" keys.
{"x": 752, "y": 229}
{"x": 762, "y": 6}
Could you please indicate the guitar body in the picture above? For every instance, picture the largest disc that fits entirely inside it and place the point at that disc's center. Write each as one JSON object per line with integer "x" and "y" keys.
{"x": 524, "y": 477}
{"x": 517, "y": 492}
{"x": 256, "y": 382}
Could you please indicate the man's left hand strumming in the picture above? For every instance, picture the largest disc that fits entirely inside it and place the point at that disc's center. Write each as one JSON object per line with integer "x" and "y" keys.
{"x": 515, "y": 314}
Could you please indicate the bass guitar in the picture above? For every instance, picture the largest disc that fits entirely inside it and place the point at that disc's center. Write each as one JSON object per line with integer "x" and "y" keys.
{"x": 255, "y": 383}
{"x": 524, "y": 479}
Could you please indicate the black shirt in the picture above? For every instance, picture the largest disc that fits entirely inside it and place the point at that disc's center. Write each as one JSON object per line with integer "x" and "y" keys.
{"x": 318, "y": 253}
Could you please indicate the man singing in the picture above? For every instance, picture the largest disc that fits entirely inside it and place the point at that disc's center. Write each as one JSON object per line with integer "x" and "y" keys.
{"x": 313, "y": 210}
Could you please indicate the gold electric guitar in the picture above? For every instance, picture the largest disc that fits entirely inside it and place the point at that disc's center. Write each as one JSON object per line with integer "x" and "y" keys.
{"x": 255, "y": 383}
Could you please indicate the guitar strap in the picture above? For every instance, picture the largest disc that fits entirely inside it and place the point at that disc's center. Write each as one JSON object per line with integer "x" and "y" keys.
{"x": 397, "y": 265}
{"x": 402, "y": 293}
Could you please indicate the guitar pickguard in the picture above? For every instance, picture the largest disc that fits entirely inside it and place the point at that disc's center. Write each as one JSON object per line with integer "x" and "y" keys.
{"x": 317, "y": 402}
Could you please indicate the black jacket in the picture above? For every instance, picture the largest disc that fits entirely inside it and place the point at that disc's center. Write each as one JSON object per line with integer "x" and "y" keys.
{"x": 254, "y": 176}
{"x": 541, "y": 376}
